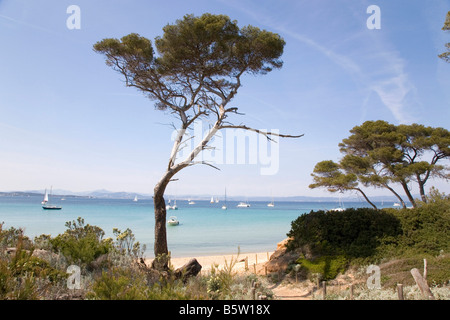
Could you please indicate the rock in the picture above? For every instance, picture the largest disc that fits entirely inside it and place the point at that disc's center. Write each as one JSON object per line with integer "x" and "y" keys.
{"x": 281, "y": 259}
{"x": 45, "y": 255}
{"x": 190, "y": 269}
{"x": 282, "y": 245}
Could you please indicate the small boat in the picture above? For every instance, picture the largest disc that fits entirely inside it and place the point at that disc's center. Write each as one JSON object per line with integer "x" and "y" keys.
{"x": 212, "y": 200}
{"x": 191, "y": 202}
{"x": 243, "y": 205}
{"x": 397, "y": 204}
{"x": 174, "y": 207}
{"x": 51, "y": 207}
{"x": 340, "y": 208}
{"x": 271, "y": 204}
{"x": 224, "y": 207}
{"x": 46, "y": 203}
{"x": 135, "y": 199}
{"x": 45, "y": 197}
{"x": 173, "y": 221}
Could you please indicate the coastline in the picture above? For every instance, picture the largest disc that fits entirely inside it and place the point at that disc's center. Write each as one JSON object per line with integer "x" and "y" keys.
{"x": 255, "y": 260}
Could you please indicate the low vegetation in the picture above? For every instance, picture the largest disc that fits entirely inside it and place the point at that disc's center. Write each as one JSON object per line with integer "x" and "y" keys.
{"x": 110, "y": 269}
{"x": 397, "y": 240}
{"x": 331, "y": 246}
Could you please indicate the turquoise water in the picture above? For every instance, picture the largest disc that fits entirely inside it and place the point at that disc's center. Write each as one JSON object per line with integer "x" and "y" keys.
{"x": 205, "y": 229}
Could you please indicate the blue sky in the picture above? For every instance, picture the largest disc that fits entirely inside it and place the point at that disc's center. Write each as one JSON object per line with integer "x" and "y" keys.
{"x": 67, "y": 120}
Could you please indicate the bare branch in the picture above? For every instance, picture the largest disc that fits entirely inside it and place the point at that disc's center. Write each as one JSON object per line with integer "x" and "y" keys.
{"x": 266, "y": 134}
{"x": 205, "y": 163}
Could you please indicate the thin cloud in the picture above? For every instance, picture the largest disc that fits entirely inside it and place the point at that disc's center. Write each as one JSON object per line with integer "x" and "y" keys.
{"x": 383, "y": 73}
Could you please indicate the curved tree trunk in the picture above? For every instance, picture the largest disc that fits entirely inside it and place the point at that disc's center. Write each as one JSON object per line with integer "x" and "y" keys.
{"x": 408, "y": 193}
{"x": 396, "y": 194}
{"x": 365, "y": 197}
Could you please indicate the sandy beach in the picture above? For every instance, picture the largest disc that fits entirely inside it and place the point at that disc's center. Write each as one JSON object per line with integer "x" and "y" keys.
{"x": 254, "y": 260}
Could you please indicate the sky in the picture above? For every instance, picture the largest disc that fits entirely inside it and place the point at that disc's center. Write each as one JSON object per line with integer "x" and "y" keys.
{"x": 68, "y": 121}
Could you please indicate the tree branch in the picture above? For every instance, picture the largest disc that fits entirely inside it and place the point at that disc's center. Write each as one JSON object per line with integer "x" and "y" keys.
{"x": 266, "y": 134}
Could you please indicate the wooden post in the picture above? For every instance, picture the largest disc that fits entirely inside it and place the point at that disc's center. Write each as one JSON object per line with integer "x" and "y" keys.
{"x": 425, "y": 269}
{"x": 400, "y": 291}
{"x": 268, "y": 258}
{"x": 422, "y": 283}
{"x": 246, "y": 263}
{"x": 254, "y": 268}
{"x": 324, "y": 285}
{"x": 256, "y": 258}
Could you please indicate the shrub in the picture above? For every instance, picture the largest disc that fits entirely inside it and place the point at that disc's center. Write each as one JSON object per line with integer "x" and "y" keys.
{"x": 327, "y": 267}
{"x": 81, "y": 243}
{"x": 119, "y": 284}
{"x": 353, "y": 232}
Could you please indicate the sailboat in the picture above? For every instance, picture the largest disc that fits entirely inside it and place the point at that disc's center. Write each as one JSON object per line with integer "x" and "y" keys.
{"x": 271, "y": 204}
{"x": 135, "y": 199}
{"x": 170, "y": 207}
{"x": 340, "y": 208}
{"x": 45, "y": 197}
{"x": 212, "y": 200}
{"x": 47, "y": 205}
{"x": 224, "y": 207}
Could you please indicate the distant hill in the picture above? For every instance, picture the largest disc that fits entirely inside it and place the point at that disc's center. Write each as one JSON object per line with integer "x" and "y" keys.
{"x": 105, "y": 194}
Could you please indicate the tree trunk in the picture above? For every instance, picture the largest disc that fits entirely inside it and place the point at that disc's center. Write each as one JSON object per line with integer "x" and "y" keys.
{"x": 160, "y": 248}
{"x": 160, "y": 226}
{"x": 408, "y": 193}
{"x": 367, "y": 199}
{"x": 422, "y": 190}
{"x": 396, "y": 194}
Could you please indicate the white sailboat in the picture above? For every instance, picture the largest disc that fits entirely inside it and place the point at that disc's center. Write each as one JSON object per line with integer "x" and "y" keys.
{"x": 135, "y": 199}
{"x": 271, "y": 204}
{"x": 243, "y": 205}
{"x": 47, "y": 205}
{"x": 340, "y": 208}
{"x": 45, "y": 197}
{"x": 212, "y": 200}
{"x": 224, "y": 207}
{"x": 170, "y": 207}
{"x": 173, "y": 221}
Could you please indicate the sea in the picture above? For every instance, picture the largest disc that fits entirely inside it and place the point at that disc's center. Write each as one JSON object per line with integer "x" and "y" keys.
{"x": 204, "y": 229}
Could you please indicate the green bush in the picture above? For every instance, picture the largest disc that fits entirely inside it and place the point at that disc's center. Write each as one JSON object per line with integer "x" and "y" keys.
{"x": 425, "y": 229}
{"x": 353, "y": 232}
{"x": 81, "y": 243}
{"x": 119, "y": 284}
{"x": 327, "y": 267}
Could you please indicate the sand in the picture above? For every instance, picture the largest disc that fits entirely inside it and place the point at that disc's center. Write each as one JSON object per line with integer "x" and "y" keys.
{"x": 254, "y": 260}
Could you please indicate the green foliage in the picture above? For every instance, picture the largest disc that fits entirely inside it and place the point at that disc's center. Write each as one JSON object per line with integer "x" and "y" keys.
{"x": 119, "y": 284}
{"x": 126, "y": 243}
{"x": 365, "y": 235}
{"x": 10, "y": 238}
{"x": 395, "y": 154}
{"x": 446, "y": 55}
{"x": 326, "y": 267}
{"x": 353, "y": 232}
{"x": 81, "y": 243}
{"x": 425, "y": 229}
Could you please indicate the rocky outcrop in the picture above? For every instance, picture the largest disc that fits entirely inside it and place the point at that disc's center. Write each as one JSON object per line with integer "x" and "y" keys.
{"x": 281, "y": 258}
